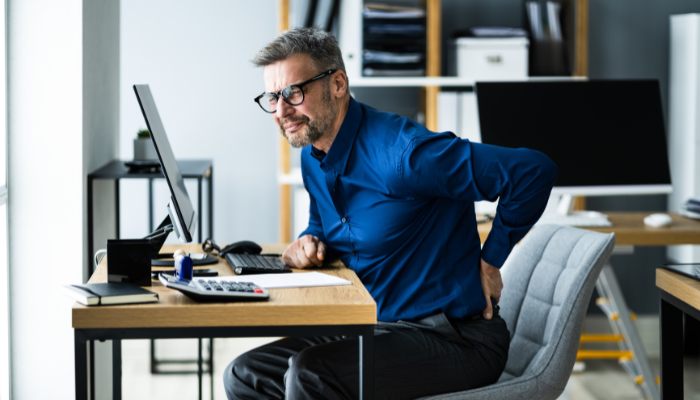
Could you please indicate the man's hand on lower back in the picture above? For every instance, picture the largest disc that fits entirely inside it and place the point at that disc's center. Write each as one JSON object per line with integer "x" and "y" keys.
{"x": 492, "y": 285}
{"x": 307, "y": 251}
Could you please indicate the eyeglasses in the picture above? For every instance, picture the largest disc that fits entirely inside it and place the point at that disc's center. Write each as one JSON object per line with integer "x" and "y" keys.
{"x": 292, "y": 94}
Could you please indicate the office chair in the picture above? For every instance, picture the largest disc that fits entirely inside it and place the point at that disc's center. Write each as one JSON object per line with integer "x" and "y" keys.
{"x": 548, "y": 281}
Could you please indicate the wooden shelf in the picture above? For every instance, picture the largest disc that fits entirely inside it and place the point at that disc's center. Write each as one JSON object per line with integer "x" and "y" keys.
{"x": 443, "y": 81}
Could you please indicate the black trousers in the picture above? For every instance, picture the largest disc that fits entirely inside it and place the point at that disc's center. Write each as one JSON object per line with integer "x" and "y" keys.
{"x": 411, "y": 360}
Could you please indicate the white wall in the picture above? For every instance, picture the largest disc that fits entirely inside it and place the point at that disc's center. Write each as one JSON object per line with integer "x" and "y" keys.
{"x": 45, "y": 191}
{"x": 196, "y": 59}
{"x": 63, "y": 108}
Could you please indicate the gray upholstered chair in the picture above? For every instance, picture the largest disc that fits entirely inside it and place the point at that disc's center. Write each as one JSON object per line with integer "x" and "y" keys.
{"x": 548, "y": 282}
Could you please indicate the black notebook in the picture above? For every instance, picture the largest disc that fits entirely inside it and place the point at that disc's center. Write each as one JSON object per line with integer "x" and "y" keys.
{"x": 93, "y": 294}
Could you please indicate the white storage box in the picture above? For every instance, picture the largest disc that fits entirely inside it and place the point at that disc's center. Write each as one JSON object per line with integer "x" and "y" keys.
{"x": 483, "y": 59}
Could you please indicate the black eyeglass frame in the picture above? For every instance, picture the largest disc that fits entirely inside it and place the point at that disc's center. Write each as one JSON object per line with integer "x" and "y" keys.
{"x": 298, "y": 85}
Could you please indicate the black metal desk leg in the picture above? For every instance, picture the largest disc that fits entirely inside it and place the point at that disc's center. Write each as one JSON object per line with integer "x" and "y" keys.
{"x": 211, "y": 202}
{"x": 116, "y": 205}
{"x": 199, "y": 208}
{"x": 211, "y": 367}
{"x": 81, "y": 367}
{"x": 671, "y": 351}
{"x": 116, "y": 369}
{"x": 90, "y": 229}
{"x": 199, "y": 366}
{"x": 91, "y": 368}
{"x": 367, "y": 364}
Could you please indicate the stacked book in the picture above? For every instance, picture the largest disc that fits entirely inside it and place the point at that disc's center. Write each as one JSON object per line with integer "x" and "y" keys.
{"x": 691, "y": 208}
{"x": 394, "y": 40}
{"x": 97, "y": 294}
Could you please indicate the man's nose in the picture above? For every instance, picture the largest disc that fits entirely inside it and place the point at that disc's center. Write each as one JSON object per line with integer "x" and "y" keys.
{"x": 283, "y": 109}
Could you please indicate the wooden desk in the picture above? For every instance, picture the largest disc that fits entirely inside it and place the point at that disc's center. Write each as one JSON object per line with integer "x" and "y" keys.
{"x": 629, "y": 229}
{"x": 679, "y": 295}
{"x": 333, "y": 310}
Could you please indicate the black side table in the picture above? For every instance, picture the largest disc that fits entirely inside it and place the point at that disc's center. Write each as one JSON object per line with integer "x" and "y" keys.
{"x": 190, "y": 169}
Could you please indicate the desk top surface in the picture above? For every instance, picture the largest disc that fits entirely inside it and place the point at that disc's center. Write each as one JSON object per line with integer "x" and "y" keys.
{"x": 331, "y": 305}
{"x": 629, "y": 229}
{"x": 116, "y": 169}
{"x": 684, "y": 288}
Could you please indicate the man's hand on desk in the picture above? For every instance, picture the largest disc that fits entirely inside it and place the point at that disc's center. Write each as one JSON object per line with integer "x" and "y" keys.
{"x": 307, "y": 251}
{"x": 492, "y": 284}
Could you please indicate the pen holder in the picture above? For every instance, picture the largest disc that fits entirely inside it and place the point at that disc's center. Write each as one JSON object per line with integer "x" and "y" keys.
{"x": 183, "y": 267}
{"x": 129, "y": 261}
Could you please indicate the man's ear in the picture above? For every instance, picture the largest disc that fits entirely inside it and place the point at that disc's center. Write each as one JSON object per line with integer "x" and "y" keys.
{"x": 340, "y": 81}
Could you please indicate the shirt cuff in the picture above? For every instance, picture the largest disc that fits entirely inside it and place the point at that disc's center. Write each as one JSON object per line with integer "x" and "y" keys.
{"x": 495, "y": 253}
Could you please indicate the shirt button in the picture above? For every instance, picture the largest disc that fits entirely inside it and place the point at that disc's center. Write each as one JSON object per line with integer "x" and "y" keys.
{"x": 344, "y": 220}
{"x": 354, "y": 253}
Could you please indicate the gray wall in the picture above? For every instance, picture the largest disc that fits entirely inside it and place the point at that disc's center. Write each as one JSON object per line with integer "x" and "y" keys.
{"x": 195, "y": 57}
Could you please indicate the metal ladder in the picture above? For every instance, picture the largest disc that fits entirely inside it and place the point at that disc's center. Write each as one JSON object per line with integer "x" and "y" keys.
{"x": 632, "y": 356}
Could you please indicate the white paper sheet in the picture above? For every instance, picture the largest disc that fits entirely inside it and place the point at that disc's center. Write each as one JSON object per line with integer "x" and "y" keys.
{"x": 277, "y": 281}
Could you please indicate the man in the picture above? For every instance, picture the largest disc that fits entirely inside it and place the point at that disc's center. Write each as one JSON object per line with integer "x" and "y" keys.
{"x": 395, "y": 202}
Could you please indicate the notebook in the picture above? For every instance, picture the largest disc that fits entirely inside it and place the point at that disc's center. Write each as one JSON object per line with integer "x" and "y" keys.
{"x": 93, "y": 294}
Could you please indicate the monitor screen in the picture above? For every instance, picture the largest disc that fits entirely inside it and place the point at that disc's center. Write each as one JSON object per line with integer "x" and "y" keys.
{"x": 180, "y": 201}
{"x": 607, "y": 137}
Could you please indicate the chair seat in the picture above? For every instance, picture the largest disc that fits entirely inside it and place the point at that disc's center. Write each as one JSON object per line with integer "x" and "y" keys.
{"x": 548, "y": 280}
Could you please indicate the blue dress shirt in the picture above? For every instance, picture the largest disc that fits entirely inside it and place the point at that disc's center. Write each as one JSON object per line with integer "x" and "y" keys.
{"x": 395, "y": 202}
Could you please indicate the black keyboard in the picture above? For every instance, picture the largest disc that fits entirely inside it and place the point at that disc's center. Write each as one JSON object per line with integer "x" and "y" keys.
{"x": 243, "y": 264}
{"x": 215, "y": 290}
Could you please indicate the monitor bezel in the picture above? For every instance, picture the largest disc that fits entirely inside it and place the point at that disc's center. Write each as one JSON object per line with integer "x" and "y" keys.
{"x": 184, "y": 234}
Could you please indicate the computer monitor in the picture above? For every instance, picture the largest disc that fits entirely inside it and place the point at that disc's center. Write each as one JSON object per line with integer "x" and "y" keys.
{"x": 180, "y": 210}
{"x": 606, "y": 136}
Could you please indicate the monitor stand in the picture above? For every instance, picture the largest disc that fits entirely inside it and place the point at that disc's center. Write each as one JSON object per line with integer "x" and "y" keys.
{"x": 565, "y": 206}
{"x": 158, "y": 238}
{"x": 560, "y": 210}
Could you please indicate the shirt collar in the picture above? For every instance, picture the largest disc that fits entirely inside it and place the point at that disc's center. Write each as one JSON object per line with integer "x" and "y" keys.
{"x": 337, "y": 156}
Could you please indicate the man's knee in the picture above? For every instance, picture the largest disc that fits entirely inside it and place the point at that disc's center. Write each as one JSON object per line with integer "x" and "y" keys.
{"x": 307, "y": 376}
{"x": 236, "y": 374}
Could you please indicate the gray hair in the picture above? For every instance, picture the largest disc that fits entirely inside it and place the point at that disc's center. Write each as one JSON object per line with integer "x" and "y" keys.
{"x": 319, "y": 45}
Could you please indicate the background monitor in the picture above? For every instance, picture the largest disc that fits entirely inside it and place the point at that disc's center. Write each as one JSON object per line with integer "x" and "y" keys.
{"x": 180, "y": 209}
{"x": 607, "y": 137}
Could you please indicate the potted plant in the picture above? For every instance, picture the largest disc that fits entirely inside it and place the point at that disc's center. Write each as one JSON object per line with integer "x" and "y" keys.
{"x": 143, "y": 146}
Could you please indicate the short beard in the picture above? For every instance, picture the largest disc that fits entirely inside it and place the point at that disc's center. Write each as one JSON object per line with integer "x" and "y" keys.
{"x": 316, "y": 128}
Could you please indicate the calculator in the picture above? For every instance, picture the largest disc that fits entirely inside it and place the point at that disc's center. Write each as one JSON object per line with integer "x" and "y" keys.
{"x": 210, "y": 290}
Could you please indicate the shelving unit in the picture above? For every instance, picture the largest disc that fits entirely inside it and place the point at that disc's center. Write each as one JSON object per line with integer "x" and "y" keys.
{"x": 430, "y": 85}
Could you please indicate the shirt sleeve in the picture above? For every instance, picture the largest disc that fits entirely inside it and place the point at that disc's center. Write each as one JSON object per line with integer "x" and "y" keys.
{"x": 315, "y": 227}
{"x": 521, "y": 179}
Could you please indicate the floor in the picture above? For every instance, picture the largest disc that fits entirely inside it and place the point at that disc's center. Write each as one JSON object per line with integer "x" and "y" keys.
{"x": 601, "y": 380}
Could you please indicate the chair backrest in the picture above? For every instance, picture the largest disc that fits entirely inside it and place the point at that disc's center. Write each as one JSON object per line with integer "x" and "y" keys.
{"x": 548, "y": 281}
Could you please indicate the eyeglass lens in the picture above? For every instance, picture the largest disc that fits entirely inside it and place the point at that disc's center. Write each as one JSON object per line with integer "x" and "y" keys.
{"x": 293, "y": 95}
